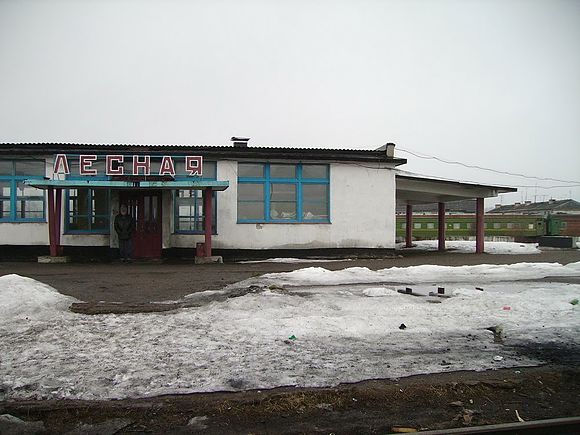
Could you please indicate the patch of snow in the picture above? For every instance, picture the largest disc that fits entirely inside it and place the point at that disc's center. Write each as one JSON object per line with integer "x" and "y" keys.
{"x": 467, "y": 246}
{"x": 374, "y": 292}
{"x": 341, "y": 335}
{"x": 25, "y": 299}
{"x": 294, "y": 260}
{"x": 419, "y": 274}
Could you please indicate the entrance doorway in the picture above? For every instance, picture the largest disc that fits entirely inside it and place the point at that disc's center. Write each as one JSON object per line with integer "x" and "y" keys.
{"x": 145, "y": 208}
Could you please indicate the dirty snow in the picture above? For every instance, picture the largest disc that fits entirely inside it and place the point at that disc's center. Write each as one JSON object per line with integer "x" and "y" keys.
{"x": 465, "y": 246}
{"x": 423, "y": 273}
{"x": 343, "y": 333}
{"x": 295, "y": 260}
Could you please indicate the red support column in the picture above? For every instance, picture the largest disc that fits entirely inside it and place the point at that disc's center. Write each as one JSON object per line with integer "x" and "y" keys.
{"x": 441, "y": 225}
{"x": 479, "y": 226}
{"x": 409, "y": 227}
{"x": 51, "y": 218}
{"x": 207, "y": 212}
{"x": 57, "y": 218}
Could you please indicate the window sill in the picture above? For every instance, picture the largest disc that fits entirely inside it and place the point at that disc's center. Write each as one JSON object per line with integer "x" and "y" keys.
{"x": 86, "y": 233}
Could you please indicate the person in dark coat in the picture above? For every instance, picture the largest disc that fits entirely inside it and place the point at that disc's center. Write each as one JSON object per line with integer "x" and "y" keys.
{"x": 125, "y": 226}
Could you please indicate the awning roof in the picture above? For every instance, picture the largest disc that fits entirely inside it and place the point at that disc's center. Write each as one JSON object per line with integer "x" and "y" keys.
{"x": 110, "y": 184}
{"x": 415, "y": 190}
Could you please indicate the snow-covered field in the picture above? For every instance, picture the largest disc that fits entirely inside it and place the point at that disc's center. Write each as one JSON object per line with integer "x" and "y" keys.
{"x": 344, "y": 332}
{"x": 464, "y": 246}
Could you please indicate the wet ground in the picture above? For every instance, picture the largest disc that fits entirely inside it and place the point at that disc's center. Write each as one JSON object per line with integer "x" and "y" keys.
{"x": 436, "y": 401}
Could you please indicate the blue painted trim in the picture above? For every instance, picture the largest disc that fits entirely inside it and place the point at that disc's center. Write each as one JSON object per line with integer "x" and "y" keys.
{"x": 14, "y": 180}
{"x": 299, "y": 182}
{"x": 88, "y": 215}
{"x": 108, "y": 184}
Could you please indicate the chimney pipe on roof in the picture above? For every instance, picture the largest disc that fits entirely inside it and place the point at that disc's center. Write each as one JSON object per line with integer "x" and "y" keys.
{"x": 240, "y": 142}
{"x": 390, "y": 150}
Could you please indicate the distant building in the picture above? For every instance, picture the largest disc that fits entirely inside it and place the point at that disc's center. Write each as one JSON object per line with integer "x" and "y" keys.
{"x": 562, "y": 206}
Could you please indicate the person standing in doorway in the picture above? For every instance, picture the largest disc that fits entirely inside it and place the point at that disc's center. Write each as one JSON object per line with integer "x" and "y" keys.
{"x": 125, "y": 226}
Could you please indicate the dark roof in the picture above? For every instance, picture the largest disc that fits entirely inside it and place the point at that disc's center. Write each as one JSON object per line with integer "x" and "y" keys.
{"x": 462, "y": 206}
{"x": 209, "y": 151}
{"x": 562, "y": 205}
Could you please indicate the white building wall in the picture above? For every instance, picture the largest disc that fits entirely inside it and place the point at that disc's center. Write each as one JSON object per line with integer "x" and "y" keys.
{"x": 362, "y": 213}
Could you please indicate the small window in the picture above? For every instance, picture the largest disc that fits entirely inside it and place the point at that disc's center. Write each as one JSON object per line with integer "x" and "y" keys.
{"x": 456, "y": 226}
{"x": 530, "y": 226}
{"x": 417, "y": 226}
{"x": 403, "y": 226}
{"x": 563, "y": 225}
{"x": 468, "y": 225}
{"x": 430, "y": 225}
{"x": 18, "y": 201}
{"x": 250, "y": 170}
{"x": 282, "y": 171}
{"x": 510, "y": 225}
{"x": 496, "y": 225}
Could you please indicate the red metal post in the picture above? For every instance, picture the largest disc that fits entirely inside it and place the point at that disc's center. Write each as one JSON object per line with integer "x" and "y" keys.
{"x": 479, "y": 226}
{"x": 51, "y": 218}
{"x": 57, "y": 218}
{"x": 409, "y": 227}
{"x": 441, "y": 229}
{"x": 207, "y": 212}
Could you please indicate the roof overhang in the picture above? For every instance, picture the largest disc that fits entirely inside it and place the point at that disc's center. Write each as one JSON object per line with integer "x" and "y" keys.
{"x": 414, "y": 190}
{"x": 111, "y": 184}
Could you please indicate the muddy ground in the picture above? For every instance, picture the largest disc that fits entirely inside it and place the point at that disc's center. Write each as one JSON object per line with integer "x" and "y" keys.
{"x": 438, "y": 401}
{"x": 435, "y": 401}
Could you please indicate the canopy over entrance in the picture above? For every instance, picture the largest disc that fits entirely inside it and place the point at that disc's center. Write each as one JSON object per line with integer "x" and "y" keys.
{"x": 128, "y": 184}
{"x": 55, "y": 187}
{"x": 413, "y": 190}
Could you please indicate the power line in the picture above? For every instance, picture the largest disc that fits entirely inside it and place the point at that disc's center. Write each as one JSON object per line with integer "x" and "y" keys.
{"x": 451, "y": 162}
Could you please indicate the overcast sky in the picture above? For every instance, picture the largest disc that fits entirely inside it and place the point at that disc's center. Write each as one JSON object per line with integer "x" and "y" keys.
{"x": 494, "y": 83}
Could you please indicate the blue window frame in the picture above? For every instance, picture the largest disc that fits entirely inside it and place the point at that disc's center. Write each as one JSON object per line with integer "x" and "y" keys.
{"x": 87, "y": 210}
{"x": 188, "y": 204}
{"x": 18, "y": 202}
{"x": 281, "y": 193}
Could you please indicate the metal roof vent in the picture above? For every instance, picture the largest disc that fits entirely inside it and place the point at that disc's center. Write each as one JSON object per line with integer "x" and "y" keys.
{"x": 240, "y": 142}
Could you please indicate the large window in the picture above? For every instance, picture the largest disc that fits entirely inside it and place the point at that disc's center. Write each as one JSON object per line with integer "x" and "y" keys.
{"x": 18, "y": 202}
{"x": 269, "y": 192}
{"x": 188, "y": 211}
{"x": 87, "y": 210}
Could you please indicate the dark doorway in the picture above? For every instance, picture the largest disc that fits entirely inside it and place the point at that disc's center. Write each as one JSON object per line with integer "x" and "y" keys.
{"x": 145, "y": 207}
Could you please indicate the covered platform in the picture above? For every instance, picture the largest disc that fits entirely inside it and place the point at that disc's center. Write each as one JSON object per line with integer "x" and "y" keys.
{"x": 413, "y": 189}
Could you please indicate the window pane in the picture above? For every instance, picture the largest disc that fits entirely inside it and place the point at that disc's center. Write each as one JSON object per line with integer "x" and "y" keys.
{"x": 30, "y": 209}
{"x": 100, "y": 223}
{"x": 24, "y": 190}
{"x": 100, "y": 202}
{"x": 30, "y": 167}
{"x": 251, "y": 210}
{"x": 250, "y": 192}
{"x": 5, "y": 188}
{"x": 314, "y": 171}
{"x": 314, "y": 192}
{"x": 283, "y": 192}
{"x": 315, "y": 211}
{"x": 5, "y": 167}
{"x": 78, "y": 223}
{"x": 283, "y": 210}
{"x": 282, "y": 171}
{"x": 250, "y": 170}
{"x": 4, "y": 199}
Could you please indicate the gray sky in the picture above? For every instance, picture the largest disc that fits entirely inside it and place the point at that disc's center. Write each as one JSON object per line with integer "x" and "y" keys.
{"x": 494, "y": 83}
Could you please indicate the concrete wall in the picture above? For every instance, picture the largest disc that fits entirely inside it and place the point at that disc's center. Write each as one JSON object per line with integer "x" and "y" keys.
{"x": 362, "y": 212}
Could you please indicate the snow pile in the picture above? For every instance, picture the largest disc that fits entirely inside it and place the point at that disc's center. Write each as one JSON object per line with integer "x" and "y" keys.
{"x": 339, "y": 334}
{"x": 419, "y": 274}
{"x": 295, "y": 260}
{"x": 24, "y": 298}
{"x": 466, "y": 246}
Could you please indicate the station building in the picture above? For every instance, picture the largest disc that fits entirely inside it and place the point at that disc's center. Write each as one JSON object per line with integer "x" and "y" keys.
{"x": 62, "y": 198}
